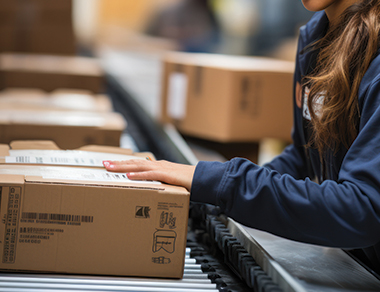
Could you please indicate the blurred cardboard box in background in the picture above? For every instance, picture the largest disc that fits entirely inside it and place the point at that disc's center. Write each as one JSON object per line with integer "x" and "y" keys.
{"x": 49, "y": 72}
{"x": 37, "y": 26}
{"x": 59, "y": 99}
{"x": 68, "y": 129}
{"x": 228, "y": 98}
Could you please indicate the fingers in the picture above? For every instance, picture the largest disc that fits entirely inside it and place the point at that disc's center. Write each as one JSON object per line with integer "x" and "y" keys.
{"x": 135, "y": 165}
{"x": 147, "y": 175}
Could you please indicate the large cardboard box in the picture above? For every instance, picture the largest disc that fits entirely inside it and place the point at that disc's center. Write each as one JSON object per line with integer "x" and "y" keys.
{"x": 60, "y": 99}
{"x": 227, "y": 98}
{"x": 89, "y": 221}
{"x": 69, "y": 129}
{"x": 36, "y": 12}
{"x": 49, "y": 72}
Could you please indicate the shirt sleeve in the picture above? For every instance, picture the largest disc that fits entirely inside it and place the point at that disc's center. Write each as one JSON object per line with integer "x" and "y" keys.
{"x": 343, "y": 213}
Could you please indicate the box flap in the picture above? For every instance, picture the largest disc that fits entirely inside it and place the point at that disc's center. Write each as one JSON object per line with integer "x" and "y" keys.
{"x": 77, "y": 65}
{"x": 106, "y": 149}
{"x": 104, "y": 120}
{"x": 77, "y": 176}
{"x": 4, "y": 150}
{"x": 131, "y": 185}
{"x": 230, "y": 62}
{"x": 22, "y": 92}
{"x": 12, "y": 178}
{"x": 33, "y": 144}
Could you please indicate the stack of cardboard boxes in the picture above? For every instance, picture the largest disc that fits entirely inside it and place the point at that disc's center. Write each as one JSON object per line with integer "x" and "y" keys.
{"x": 60, "y": 210}
{"x": 37, "y": 26}
{"x": 56, "y": 98}
{"x": 63, "y": 212}
{"x": 49, "y": 72}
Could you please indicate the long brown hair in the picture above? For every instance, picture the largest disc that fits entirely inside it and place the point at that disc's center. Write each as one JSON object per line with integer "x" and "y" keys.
{"x": 346, "y": 51}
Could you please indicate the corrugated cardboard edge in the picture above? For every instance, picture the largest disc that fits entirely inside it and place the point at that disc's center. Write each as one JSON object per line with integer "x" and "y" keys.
{"x": 33, "y": 144}
{"x": 51, "y": 145}
{"x": 165, "y": 188}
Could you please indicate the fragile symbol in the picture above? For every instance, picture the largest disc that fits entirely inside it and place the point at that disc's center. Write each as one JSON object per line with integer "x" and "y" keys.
{"x": 164, "y": 239}
{"x": 142, "y": 212}
{"x": 161, "y": 260}
{"x": 167, "y": 219}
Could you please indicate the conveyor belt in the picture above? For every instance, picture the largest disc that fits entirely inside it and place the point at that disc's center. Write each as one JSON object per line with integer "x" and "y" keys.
{"x": 194, "y": 280}
{"x": 199, "y": 275}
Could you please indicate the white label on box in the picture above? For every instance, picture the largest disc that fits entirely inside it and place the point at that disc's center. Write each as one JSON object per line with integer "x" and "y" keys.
{"x": 177, "y": 91}
{"x": 64, "y": 157}
{"x": 72, "y": 173}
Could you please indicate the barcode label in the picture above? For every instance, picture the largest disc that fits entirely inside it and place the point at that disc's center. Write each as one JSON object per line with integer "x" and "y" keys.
{"x": 57, "y": 217}
{"x": 11, "y": 225}
{"x": 64, "y": 157}
{"x": 59, "y": 160}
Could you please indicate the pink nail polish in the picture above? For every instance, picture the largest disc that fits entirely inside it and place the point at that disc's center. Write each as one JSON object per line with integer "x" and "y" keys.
{"x": 106, "y": 163}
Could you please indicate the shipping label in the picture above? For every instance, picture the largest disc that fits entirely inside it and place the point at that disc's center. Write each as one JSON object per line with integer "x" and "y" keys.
{"x": 177, "y": 95}
{"x": 64, "y": 157}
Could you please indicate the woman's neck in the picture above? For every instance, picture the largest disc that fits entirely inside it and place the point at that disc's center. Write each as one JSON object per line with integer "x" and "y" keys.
{"x": 334, "y": 11}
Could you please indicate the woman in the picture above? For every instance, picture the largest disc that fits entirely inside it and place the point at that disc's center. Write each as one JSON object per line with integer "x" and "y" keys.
{"x": 325, "y": 187}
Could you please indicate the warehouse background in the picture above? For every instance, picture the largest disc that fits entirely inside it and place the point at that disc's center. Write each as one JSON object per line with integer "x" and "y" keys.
{"x": 244, "y": 26}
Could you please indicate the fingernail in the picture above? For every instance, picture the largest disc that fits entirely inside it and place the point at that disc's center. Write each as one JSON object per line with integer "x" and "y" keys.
{"x": 130, "y": 174}
{"x": 106, "y": 163}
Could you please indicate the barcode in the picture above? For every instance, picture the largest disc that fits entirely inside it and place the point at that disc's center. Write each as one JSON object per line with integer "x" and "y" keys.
{"x": 57, "y": 217}
{"x": 23, "y": 159}
{"x": 115, "y": 176}
{"x": 27, "y": 159}
{"x": 59, "y": 160}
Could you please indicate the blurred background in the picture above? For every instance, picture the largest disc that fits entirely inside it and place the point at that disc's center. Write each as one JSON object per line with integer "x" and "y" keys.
{"x": 243, "y": 27}
{"x": 127, "y": 42}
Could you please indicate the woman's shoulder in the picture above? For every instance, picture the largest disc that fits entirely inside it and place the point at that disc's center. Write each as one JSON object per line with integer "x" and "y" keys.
{"x": 314, "y": 28}
{"x": 372, "y": 75}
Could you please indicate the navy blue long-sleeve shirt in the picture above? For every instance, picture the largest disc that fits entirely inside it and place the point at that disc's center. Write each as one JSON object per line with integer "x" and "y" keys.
{"x": 282, "y": 197}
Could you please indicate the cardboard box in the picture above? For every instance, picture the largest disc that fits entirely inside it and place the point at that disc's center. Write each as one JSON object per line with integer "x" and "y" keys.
{"x": 37, "y": 26}
{"x": 228, "y": 98}
{"x": 45, "y": 5}
{"x": 89, "y": 221}
{"x": 69, "y": 129}
{"x": 49, "y": 72}
{"x": 61, "y": 99}
{"x": 44, "y": 39}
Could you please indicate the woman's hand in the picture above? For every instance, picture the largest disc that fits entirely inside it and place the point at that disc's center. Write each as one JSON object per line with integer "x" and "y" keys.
{"x": 165, "y": 171}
